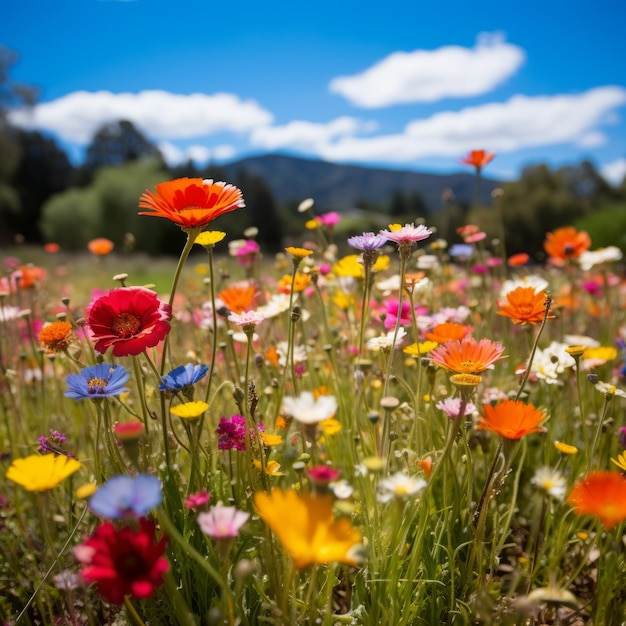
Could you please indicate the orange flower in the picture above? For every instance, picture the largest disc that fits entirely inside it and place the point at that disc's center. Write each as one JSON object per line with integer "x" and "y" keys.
{"x": 511, "y": 419}
{"x": 467, "y": 356}
{"x": 237, "y": 298}
{"x": 524, "y": 306}
{"x": 56, "y": 337}
{"x": 300, "y": 283}
{"x": 51, "y": 248}
{"x": 602, "y": 494}
{"x": 305, "y": 527}
{"x": 449, "y": 331}
{"x": 29, "y": 276}
{"x": 566, "y": 243}
{"x": 100, "y": 246}
{"x": 191, "y": 202}
{"x": 478, "y": 158}
{"x": 518, "y": 259}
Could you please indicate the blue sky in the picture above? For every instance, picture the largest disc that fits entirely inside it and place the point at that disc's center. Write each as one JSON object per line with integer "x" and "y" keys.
{"x": 410, "y": 85}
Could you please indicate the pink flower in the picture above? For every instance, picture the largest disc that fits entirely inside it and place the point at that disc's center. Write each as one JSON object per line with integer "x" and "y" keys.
{"x": 329, "y": 219}
{"x": 408, "y": 234}
{"x": 222, "y": 522}
{"x": 452, "y": 407}
{"x": 196, "y": 500}
{"x": 247, "y": 254}
{"x": 391, "y": 311}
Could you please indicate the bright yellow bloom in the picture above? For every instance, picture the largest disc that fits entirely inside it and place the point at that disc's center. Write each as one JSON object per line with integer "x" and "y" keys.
{"x": 604, "y": 353}
{"x": 41, "y": 472}
{"x": 565, "y": 448}
{"x": 209, "y": 237}
{"x": 86, "y": 491}
{"x": 272, "y": 468}
{"x": 298, "y": 253}
{"x": 343, "y": 301}
{"x": 424, "y": 347}
{"x": 381, "y": 263}
{"x": 189, "y": 410}
{"x": 300, "y": 283}
{"x": 620, "y": 461}
{"x": 311, "y": 224}
{"x": 349, "y": 266}
{"x": 330, "y": 426}
{"x": 270, "y": 440}
{"x": 305, "y": 527}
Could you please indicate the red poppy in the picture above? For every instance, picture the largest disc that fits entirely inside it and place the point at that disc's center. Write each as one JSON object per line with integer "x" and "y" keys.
{"x": 129, "y": 319}
{"x": 478, "y": 158}
{"x": 602, "y": 494}
{"x": 191, "y": 202}
{"x": 566, "y": 243}
{"x": 123, "y": 562}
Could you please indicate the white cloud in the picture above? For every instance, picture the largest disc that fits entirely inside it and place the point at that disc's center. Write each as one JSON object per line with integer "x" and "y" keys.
{"x": 201, "y": 155}
{"x": 307, "y": 135}
{"x": 159, "y": 114}
{"x": 615, "y": 171}
{"x": 431, "y": 75}
{"x": 521, "y": 122}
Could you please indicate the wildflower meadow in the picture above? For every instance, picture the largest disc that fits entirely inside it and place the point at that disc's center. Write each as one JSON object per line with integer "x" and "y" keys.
{"x": 390, "y": 429}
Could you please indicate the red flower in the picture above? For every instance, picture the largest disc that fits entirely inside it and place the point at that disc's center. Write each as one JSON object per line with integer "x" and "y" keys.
{"x": 191, "y": 202}
{"x": 123, "y": 562}
{"x": 130, "y": 319}
{"x": 478, "y": 158}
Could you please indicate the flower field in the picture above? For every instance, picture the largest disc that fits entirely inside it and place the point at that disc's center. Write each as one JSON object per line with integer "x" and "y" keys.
{"x": 392, "y": 429}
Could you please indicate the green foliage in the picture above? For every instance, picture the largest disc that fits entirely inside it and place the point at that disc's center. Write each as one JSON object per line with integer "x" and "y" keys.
{"x": 606, "y": 227}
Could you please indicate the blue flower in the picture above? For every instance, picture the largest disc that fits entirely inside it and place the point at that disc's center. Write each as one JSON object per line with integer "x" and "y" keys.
{"x": 183, "y": 376}
{"x": 125, "y": 496}
{"x": 97, "y": 381}
{"x": 461, "y": 251}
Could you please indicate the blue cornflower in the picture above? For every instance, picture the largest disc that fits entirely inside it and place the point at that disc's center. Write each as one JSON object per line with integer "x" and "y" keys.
{"x": 97, "y": 381}
{"x": 367, "y": 242}
{"x": 125, "y": 496}
{"x": 461, "y": 251}
{"x": 183, "y": 376}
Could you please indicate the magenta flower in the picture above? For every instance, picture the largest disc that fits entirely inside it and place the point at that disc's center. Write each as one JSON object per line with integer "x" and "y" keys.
{"x": 391, "y": 312}
{"x": 222, "y": 522}
{"x": 196, "y": 500}
{"x": 329, "y": 219}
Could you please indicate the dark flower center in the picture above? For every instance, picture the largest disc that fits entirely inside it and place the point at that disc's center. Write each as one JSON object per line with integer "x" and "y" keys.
{"x": 126, "y": 325}
{"x": 96, "y": 385}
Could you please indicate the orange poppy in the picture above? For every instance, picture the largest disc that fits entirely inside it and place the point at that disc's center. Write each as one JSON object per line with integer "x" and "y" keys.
{"x": 238, "y": 298}
{"x": 524, "y": 306}
{"x": 449, "y": 331}
{"x": 518, "y": 259}
{"x": 603, "y": 494}
{"x": 512, "y": 419}
{"x": 191, "y": 202}
{"x": 467, "y": 356}
{"x": 566, "y": 243}
{"x": 100, "y": 246}
{"x": 478, "y": 158}
{"x": 29, "y": 276}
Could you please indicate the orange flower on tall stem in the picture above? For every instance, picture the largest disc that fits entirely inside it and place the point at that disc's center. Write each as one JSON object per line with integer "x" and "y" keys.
{"x": 524, "y": 305}
{"x": 512, "y": 419}
{"x": 238, "y": 298}
{"x": 467, "y": 356}
{"x": 566, "y": 243}
{"x": 603, "y": 494}
{"x": 478, "y": 158}
{"x": 191, "y": 202}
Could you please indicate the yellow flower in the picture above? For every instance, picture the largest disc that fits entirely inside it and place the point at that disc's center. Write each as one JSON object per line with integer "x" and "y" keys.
{"x": 86, "y": 491}
{"x": 209, "y": 238}
{"x": 620, "y": 461}
{"x": 342, "y": 301}
{"x": 565, "y": 448}
{"x": 330, "y": 426}
{"x": 311, "y": 535}
{"x": 270, "y": 440}
{"x": 202, "y": 269}
{"x": 41, "y": 472}
{"x": 424, "y": 347}
{"x": 189, "y": 410}
{"x": 603, "y": 353}
{"x": 298, "y": 253}
{"x": 272, "y": 468}
{"x": 349, "y": 266}
{"x": 394, "y": 227}
{"x": 311, "y": 224}
{"x": 381, "y": 263}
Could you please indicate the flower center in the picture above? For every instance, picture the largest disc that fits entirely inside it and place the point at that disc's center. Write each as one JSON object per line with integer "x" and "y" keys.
{"x": 96, "y": 385}
{"x": 126, "y": 325}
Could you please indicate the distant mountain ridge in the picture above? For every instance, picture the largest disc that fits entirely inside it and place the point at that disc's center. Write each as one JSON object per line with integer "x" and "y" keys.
{"x": 341, "y": 187}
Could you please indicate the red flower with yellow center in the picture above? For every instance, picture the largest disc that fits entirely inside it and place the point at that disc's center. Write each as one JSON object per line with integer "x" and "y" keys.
{"x": 191, "y": 202}
{"x": 602, "y": 494}
{"x": 566, "y": 243}
{"x": 524, "y": 306}
{"x": 478, "y": 158}
{"x": 467, "y": 356}
{"x": 512, "y": 419}
{"x": 128, "y": 319}
{"x": 56, "y": 337}
{"x": 449, "y": 331}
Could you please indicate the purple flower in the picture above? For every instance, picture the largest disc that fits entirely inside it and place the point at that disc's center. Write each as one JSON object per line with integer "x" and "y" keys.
{"x": 232, "y": 433}
{"x": 621, "y": 437}
{"x": 367, "y": 242}
{"x": 52, "y": 443}
{"x": 125, "y": 496}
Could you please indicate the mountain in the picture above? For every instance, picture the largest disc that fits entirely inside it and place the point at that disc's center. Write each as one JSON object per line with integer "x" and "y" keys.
{"x": 342, "y": 187}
